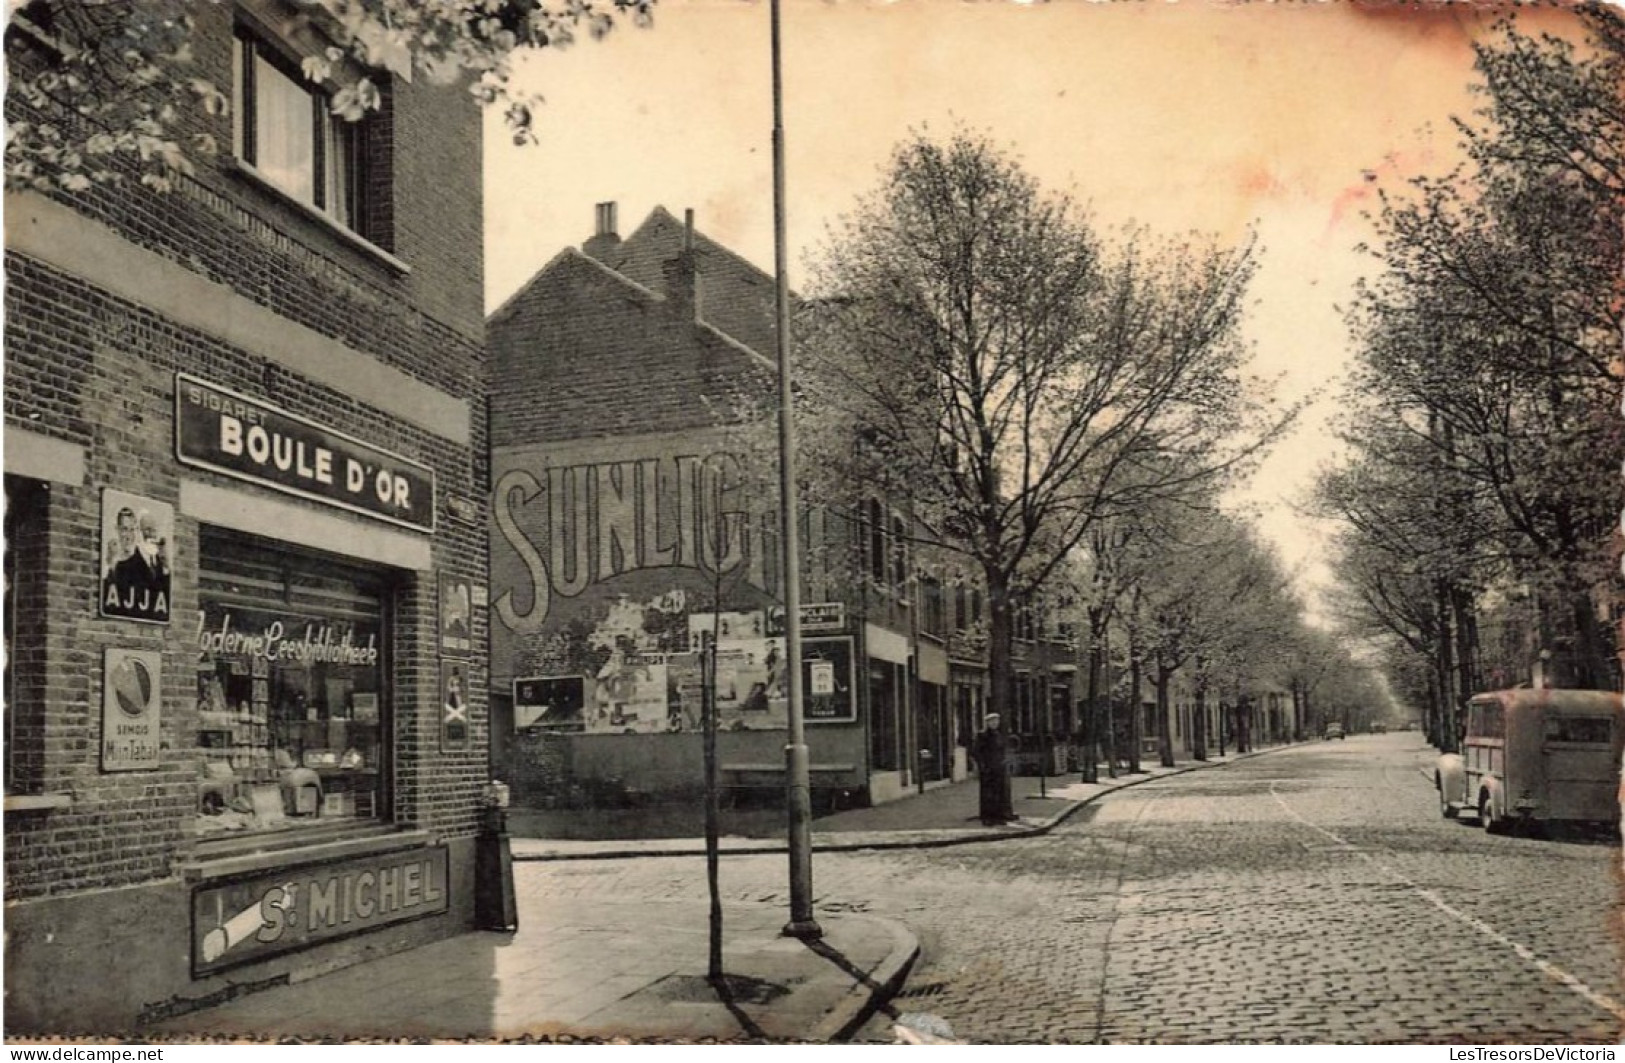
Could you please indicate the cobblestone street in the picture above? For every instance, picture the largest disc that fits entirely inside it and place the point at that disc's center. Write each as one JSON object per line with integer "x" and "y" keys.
{"x": 1313, "y": 894}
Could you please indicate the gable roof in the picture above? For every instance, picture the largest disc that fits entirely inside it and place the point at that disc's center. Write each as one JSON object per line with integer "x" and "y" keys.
{"x": 736, "y": 297}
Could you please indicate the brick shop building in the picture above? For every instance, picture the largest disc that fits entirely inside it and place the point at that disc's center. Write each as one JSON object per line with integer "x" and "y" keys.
{"x": 246, "y": 556}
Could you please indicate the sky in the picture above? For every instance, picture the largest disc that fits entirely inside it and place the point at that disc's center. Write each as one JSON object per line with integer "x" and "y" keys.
{"x": 1282, "y": 119}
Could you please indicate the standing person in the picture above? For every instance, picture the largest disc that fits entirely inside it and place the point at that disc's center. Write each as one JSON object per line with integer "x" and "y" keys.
{"x": 993, "y": 773}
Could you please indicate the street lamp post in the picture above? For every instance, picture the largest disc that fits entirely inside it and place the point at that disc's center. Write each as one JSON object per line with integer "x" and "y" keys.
{"x": 797, "y": 788}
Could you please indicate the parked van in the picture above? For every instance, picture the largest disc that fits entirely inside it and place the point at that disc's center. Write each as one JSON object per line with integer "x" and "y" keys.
{"x": 1536, "y": 756}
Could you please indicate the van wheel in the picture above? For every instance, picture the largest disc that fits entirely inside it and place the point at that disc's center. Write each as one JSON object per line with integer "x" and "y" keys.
{"x": 1486, "y": 816}
{"x": 1446, "y": 809}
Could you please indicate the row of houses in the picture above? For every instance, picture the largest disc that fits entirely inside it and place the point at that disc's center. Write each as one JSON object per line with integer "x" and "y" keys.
{"x": 301, "y": 551}
{"x": 634, "y": 524}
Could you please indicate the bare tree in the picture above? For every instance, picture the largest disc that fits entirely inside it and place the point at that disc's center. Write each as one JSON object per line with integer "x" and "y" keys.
{"x": 1015, "y": 376}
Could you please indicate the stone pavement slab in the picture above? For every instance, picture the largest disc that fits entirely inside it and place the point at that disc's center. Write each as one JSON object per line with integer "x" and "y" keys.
{"x": 593, "y": 969}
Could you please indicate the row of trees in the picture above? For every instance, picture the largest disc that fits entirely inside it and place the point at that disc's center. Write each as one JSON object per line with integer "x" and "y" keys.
{"x": 1061, "y": 407}
{"x": 1480, "y": 500}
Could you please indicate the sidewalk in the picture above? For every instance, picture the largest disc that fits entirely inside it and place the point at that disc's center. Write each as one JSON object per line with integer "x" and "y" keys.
{"x": 944, "y": 815}
{"x": 631, "y": 969}
{"x": 603, "y": 970}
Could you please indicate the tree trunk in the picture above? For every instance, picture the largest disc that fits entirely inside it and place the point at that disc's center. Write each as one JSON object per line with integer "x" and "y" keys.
{"x": 1594, "y": 656}
{"x": 708, "y": 706}
{"x": 1199, "y": 715}
{"x": 1444, "y": 667}
{"x": 1437, "y": 733}
{"x": 1001, "y": 676}
{"x": 1461, "y": 606}
{"x": 1106, "y": 720}
{"x": 1135, "y": 712}
{"x": 1089, "y": 764}
{"x": 1165, "y": 729}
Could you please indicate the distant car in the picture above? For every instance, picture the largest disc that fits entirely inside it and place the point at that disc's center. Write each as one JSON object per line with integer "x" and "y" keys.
{"x": 1379, "y": 728}
{"x": 1412, "y": 725}
{"x": 1334, "y": 730}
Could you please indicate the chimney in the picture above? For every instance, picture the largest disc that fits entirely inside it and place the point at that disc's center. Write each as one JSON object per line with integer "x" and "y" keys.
{"x": 604, "y": 236}
{"x": 683, "y": 275}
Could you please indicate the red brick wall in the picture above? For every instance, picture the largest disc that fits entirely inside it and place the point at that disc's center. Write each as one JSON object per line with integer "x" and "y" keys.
{"x": 98, "y": 371}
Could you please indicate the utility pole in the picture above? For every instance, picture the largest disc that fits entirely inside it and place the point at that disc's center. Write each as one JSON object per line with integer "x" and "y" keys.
{"x": 798, "y": 788}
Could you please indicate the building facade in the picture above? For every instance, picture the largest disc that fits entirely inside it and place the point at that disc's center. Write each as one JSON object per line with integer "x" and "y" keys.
{"x": 635, "y": 525}
{"x": 246, "y": 552}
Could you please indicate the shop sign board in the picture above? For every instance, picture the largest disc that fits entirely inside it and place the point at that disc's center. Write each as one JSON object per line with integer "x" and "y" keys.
{"x": 131, "y": 701}
{"x": 820, "y": 617}
{"x": 251, "y": 440}
{"x": 283, "y": 910}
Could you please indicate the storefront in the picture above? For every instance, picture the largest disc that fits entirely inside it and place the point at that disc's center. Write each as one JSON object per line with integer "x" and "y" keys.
{"x": 286, "y": 746}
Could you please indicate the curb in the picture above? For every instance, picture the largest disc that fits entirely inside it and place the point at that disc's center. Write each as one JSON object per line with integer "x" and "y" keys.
{"x": 775, "y": 848}
{"x": 861, "y": 1002}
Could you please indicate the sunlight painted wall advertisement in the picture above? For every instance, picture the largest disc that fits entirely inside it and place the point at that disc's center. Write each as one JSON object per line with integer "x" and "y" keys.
{"x": 608, "y": 560}
{"x": 580, "y": 526}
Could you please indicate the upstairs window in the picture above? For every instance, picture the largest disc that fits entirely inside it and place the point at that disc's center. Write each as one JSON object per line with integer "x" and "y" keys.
{"x": 876, "y": 521}
{"x": 933, "y": 617}
{"x": 899, "y": 546}
{"x": 286, "y": 132}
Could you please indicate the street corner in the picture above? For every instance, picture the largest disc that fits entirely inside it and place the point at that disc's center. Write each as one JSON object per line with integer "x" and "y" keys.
{"x": 869, "y": 959}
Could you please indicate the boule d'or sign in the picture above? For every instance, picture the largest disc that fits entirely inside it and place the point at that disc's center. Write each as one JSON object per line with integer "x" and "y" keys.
{"x": 243, "y": 437}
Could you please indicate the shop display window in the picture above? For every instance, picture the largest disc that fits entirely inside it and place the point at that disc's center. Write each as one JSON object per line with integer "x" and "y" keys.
{"x": 291, "y": 694}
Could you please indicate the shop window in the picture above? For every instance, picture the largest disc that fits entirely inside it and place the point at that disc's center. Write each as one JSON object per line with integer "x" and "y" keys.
{"x": 285, "y": 130}
{"x": 292, "y": 699}
{"x": 884, "y": 686}
{"x": 25, "y": 610}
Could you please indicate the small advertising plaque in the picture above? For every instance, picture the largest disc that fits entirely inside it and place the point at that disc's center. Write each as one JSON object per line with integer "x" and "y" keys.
{"x": 454, "y": 725}
{"x": 456, "y": 629}
{"x": 131, "y": 702}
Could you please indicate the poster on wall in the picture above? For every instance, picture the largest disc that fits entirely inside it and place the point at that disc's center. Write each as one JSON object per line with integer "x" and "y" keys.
{"x": 135, "y": 557}
{"x": 751, "y": 691}
{"x": 827, "y": 681}
{"x": 454, "y": 724}
{"x": 549, "y": 703}
{"x": 630, "y": 695}
{"x": 131, "y": 709}
{"x": 456, "y": 628}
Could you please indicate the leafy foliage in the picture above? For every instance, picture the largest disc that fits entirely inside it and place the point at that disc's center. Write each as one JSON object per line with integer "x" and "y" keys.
{"x": 98, "y": 85}
{"x": 1489, "y": 366}
{"x": 974, "y": 345}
